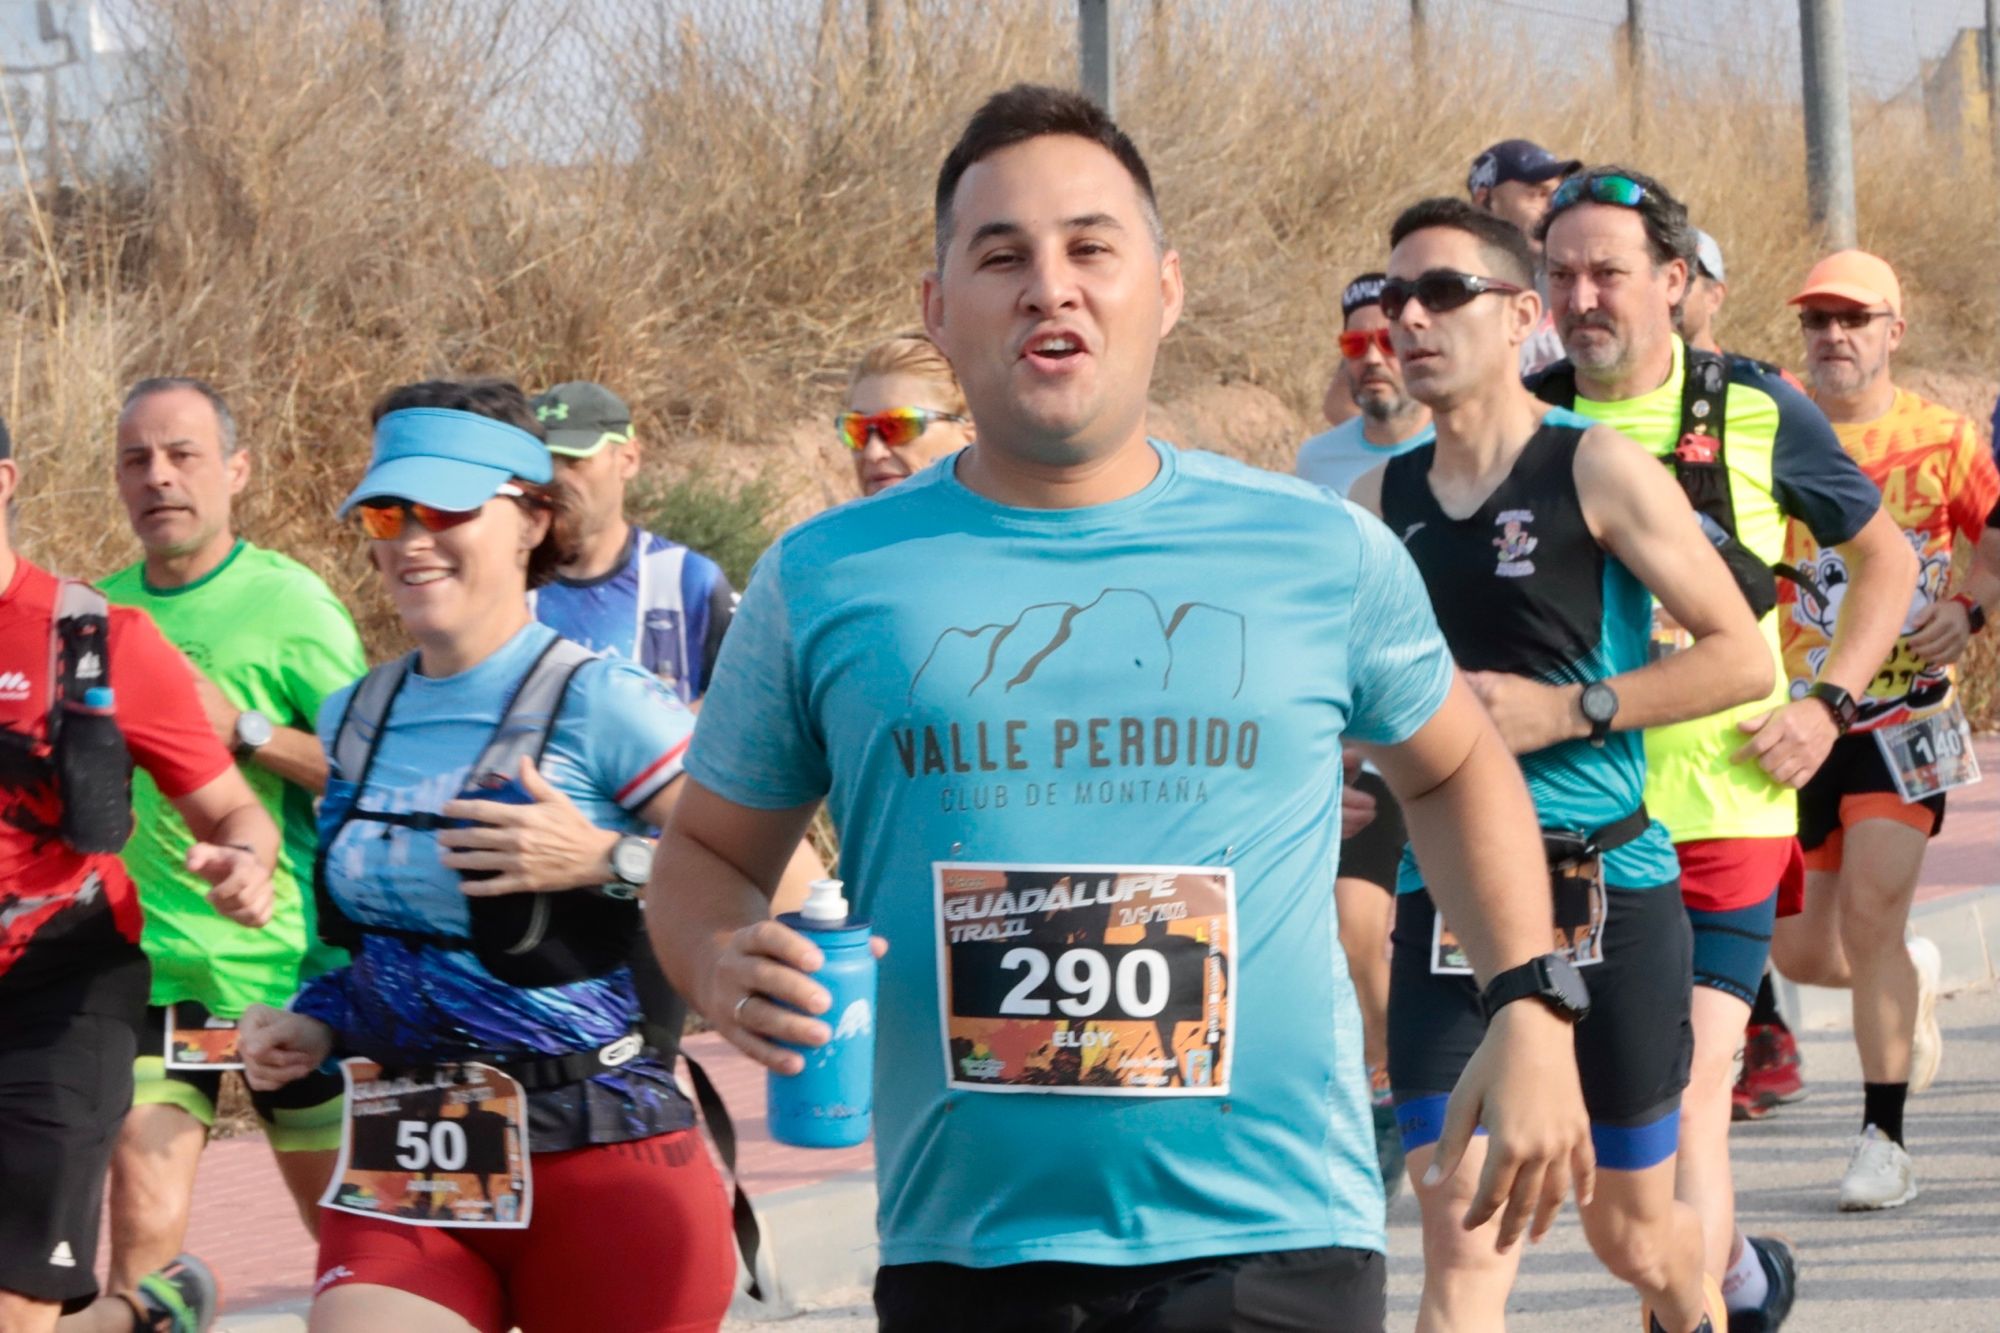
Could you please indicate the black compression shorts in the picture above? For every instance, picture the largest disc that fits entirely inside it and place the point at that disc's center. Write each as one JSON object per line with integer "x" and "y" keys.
{"x": 1374, "y": 853}
{"x": 1632, "y": 1051}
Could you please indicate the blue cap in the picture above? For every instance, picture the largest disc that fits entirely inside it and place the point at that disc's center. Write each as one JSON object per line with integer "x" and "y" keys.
{"x": 451, "y": 459}
{"x": 1517, "y": 160}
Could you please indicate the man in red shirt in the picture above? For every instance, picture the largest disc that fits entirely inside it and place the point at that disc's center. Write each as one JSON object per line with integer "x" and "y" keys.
{"x": 73, "y": 982}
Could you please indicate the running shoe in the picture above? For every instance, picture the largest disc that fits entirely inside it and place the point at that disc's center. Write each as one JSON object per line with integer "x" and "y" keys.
{"x": 1388, "y": 1137}
{"x": 1782, "y": 1273}
{"x": 180, "y": 1298}
{"x": 1770, "y": 1073}
{"x": 1927, "y": 1044}
{"x": 1879, "y": 1175}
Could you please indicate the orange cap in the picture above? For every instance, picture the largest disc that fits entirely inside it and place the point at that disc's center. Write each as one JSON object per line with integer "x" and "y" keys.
{"x": 1853, "y": 275}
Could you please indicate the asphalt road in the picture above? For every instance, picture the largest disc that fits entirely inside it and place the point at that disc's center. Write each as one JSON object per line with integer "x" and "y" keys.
{"x": 1931, "y": 1267}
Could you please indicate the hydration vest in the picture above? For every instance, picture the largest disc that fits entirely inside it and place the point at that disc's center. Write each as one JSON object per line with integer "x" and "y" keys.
{"x": 81, "y": 749}
{"x": 529, "y": 939}
{"x": 523, "y": 939}
{"x": 1700, "y": 461}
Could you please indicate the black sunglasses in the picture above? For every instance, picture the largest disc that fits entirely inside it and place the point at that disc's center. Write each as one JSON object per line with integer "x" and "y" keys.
{"x": 1819, "y": 321}
{"x": 1439, "y": 290}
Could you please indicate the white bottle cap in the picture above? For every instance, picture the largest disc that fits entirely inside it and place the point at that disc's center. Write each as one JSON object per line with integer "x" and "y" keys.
{"x": 824, "y": 901}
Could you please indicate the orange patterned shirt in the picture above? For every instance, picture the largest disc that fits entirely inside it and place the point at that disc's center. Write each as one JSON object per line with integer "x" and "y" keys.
{"x": 1937, "y": 480}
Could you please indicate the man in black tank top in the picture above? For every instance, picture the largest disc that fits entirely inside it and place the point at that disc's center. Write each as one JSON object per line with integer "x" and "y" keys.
{"x": 1542, "y": 540}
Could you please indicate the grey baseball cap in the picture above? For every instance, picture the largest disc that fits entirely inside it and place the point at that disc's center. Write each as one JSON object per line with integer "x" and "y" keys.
{"x": 581, "y": 418}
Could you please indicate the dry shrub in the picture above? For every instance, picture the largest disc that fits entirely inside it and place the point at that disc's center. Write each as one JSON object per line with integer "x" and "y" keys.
{"x": 326, "y": 212}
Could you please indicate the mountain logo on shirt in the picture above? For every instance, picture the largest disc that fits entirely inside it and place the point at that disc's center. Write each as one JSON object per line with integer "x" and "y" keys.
{"x": 1122, "y": 637}
{"x": 14, "y": 686}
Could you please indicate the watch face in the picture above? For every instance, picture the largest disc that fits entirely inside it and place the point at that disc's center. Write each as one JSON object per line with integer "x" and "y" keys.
{"x": 1566, "y": 985}
{"x": 632, "y": 860}
{"x": 1599, "y": 702}
{"x": 252, "y": 729}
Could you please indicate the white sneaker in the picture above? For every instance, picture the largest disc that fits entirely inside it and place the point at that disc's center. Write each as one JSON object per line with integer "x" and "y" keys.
{"x": 1927, "y": 1043}
{"x": 1879, "y": 1174}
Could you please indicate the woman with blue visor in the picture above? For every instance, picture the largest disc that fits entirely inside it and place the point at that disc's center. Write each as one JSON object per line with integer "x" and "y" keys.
{"x": 516, "y": 1153}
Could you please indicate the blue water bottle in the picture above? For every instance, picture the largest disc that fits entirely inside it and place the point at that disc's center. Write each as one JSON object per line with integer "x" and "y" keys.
{"x": 831, "y": 1102}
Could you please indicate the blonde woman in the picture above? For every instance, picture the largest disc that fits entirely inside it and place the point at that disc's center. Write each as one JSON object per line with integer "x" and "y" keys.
{"x": 904, "y": 411}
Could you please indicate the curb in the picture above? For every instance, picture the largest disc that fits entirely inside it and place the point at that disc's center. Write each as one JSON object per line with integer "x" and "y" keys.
{"x": 818, "y": 1240}
{"x": 287, "y": 1318}
{"x": 1966, "y": 929}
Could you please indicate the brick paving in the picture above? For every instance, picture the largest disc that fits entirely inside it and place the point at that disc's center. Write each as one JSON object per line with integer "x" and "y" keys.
{"x": 245, "y": 1226}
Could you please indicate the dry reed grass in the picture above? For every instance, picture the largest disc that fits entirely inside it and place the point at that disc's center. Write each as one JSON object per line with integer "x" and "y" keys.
{"x": 326, "y": 215}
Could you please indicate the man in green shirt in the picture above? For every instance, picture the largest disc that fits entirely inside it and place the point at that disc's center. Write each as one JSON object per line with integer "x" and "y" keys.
{"x": 270, "y": 642}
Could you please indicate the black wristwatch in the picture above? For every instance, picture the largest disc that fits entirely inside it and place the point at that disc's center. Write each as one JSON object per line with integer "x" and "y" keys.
{"x": 1552, "y": 979}
{"x": 1599, "y": 704}
{"x": 1975, "y": 614}
{"x": 1838, "y": 702}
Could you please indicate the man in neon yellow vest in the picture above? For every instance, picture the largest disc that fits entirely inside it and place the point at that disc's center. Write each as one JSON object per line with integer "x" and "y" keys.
{"x": 1617, "y": 248}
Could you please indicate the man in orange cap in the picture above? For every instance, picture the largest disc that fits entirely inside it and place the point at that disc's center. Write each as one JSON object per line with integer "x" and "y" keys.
{"x": 1866, "y": 814}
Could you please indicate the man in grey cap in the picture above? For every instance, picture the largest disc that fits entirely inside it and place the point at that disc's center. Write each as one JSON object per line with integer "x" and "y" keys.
{"x": 620, "y": 589}
{"x": 1514, "y": 180}
{"x": 1707, "y": 287}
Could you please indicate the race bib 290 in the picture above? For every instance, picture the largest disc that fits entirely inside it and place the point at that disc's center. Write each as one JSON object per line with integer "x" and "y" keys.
{"x": 1108, "y": 980}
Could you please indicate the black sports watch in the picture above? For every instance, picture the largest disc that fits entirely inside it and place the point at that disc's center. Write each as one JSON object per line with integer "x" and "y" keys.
{"x": 631, "y": 864}
{"x": 1552, "y": 979}
{"x": 1975, "y": 614}
{"x": 1838, "y": 702}
{"x": 1599, "y": 704}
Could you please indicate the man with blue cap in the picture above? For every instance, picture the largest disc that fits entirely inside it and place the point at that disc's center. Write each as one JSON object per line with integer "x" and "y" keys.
{"x": 1514, "y": 180}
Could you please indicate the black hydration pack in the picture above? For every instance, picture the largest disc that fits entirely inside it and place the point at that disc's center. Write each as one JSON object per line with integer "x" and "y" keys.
{"x": 84, "y": 747}
{"x": 528, "y": 939}
{"x": 1700, "y": 461}
{"x": 523, "y": 939}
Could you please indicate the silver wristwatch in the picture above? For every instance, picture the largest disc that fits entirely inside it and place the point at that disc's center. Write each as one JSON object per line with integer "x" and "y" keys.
{"x": 631, "y": 864}
{"x": 253, "y": 732}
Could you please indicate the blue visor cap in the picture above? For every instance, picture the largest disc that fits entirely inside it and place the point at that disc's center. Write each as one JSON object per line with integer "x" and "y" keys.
{"x": 450, "y": 459}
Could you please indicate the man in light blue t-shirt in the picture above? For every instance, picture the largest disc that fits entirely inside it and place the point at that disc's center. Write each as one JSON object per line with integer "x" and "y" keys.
{"x": 1390, "y": 422}
{"x": 1077, "y": 702}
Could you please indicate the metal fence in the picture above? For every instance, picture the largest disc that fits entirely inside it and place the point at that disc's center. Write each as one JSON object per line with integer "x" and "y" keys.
{"x": 72, "y": 98}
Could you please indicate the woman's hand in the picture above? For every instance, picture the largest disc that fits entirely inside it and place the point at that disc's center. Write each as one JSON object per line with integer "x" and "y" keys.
{"x": 280, "y": 1047}
{"x": 545, "y": 847}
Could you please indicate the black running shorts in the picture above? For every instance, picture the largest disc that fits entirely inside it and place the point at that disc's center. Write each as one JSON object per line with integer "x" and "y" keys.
{"x": 65, "y": 1084}
{"x": 1632, "y": 1051}
{"x": 1374, "y": 853}
{"x": 1329, "y": 1290}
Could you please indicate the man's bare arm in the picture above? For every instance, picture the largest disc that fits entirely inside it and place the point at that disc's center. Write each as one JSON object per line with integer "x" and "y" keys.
{"x": 1474, "y": 831}
{"x": 1640, "y": 514}
{"x": 708, "y": 909}
{"x": 1791, "y": 742}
